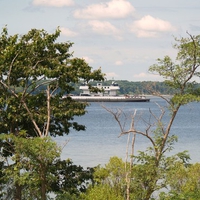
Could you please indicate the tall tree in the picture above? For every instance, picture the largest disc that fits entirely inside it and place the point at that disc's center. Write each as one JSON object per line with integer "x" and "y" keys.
{"x": 180, "y": 75}
{"x": 30, "y": 63}
{"x": 35, "y": 72}
{"x": 149, "y": 168}
{"x": 32, "y": 167}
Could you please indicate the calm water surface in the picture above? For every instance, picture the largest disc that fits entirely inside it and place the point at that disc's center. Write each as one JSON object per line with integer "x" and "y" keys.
{"x": 100, "y": 141}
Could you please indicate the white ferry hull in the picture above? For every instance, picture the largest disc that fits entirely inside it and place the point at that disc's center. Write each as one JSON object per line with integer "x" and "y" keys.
{"x": 109, "y": 99}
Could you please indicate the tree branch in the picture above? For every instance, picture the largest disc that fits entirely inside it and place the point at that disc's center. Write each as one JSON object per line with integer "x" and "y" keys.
{"x": 8, "y": 87}
{"x": 10, "y": 69}
{"x": 48, "y": 111}
{"x": 32, "y": 119}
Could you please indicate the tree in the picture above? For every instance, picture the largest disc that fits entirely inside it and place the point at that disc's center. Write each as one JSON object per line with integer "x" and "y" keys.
{"x": 182, "y": 74}
{"x": 108, "y": 182}
{"x": 70, "y": 179}
{"x": 36, "y": 71}
{"x": 33, "y": 159}
{"x": 29, "y": 62}
{"x": 179, "y": 75}
{"x": 183, "y": 182}
{"x": 101, "y": 192}
{"x": 148, "y": 173}
{"x": 144, "y": 173}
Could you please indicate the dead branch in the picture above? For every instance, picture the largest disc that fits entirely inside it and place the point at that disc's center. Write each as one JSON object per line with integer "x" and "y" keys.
{"x": 117, "y": 116}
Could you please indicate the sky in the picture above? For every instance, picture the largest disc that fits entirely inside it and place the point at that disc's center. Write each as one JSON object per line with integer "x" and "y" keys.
{"x": 123, "y": 37}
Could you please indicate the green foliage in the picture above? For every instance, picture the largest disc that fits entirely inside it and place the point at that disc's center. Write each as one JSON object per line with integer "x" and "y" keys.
{"x": 30, "y": 165}
{"x": 147, "y": 177}
{"x": 149, "y": 171}
{"x": 109, "y": 181}
{"x": 113, "y": 175}
{"x": 181, "y": 74}
{"x": 31, "y": 62}
{"x": 142, "y": 87}
{"x": 101, "y": 192}
{"x": 150, "y": 176}
{"x": 183, "y": 182}
{"x": 36, "y": 161}
{"x": 182, "y": 99}
{"x": 66, "y": 196}
{"x": 150, "y": 167}
{"x": 152, "y": 170}
{"x": 35, "y": 72}
{"x": 70, "y": 179}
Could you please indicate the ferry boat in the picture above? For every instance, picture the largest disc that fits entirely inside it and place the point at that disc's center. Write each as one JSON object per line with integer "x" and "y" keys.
{"x": 108, "y": 94}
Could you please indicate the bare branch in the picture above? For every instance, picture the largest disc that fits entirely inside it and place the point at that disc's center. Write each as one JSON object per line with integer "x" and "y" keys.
{"x": 43, "y": 83}
{"x": 10, "y": 69}
{"x": 195, "y": 65}
{"x": 48, "y": 111}
{"x": 146, "y": 135}
{"x": 54, "y": 90}
{"x": 8, "y": 87}
{"x": 39, "y": 61}
{"x": 133, "y": 121}
{"x": 65, "y": 143}
{"x": 158, "y": 119}
{"x": 124, "y": 133}
{"x": 168, "y": 129}
{"x": 117, "y": 118}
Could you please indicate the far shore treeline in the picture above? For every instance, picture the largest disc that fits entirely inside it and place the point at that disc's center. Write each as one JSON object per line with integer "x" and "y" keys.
{"x": 136, "y": 88}
{"x": 130, "y": 87}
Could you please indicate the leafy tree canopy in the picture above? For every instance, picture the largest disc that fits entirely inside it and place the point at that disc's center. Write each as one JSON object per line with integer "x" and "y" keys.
{"x": 182, "y": 73}
{"x": 29, "y": 62}
{"x": 35, "y": 72}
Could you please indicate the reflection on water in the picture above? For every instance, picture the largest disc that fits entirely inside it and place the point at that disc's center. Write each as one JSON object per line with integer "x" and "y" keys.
{"x": 100, "y": 141}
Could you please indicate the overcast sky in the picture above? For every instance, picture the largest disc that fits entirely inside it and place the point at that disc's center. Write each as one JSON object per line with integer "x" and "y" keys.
{"x": 123, "y": 37}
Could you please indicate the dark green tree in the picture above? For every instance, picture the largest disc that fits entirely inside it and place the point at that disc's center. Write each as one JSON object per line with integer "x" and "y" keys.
{"x": 31, "y": 169}
{"x": 35, "y": 72}
{"x": 70, "y": 179}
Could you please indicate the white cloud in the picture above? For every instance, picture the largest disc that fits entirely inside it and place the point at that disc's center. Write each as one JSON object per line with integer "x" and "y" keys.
{"x": 104, "y": 28}
{"x": 112, "y": 9}
{"x": 149, "y": 26}
{"x": 141, "y": 75}
{"x": 53, "y": 3}
{"x": 111, "y": 75}
{"x": 119, "y": 62}
{"x": 67, "y": 32}
{"x": 147, "y": 77}
{"x": 88, "y": 60}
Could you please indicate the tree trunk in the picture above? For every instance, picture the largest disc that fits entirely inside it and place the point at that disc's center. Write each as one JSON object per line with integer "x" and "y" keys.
{"x": 43, "y": 190}
{"x": 18, "y": 192}
{"x": 43, "y": 183}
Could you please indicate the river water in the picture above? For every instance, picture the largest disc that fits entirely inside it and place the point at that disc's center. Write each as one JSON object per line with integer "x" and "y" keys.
{"x": 100, "y": 141}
